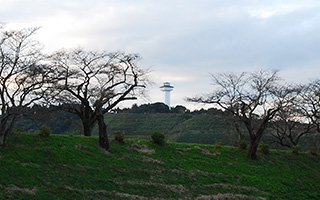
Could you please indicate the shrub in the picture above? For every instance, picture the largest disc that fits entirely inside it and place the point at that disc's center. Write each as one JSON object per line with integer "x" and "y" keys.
{"x": 313, "y": 151}
{"x": 44, "y": 131}
{"x": 18, "y": 130}
{"x": 295, "y": 149}
{"x": 119, "y": 136}
{"x": 157, "y": 138}
{"x": 264, "y": 148}
{"x": 242, "y": 144}
{"x": 218, "y": 145}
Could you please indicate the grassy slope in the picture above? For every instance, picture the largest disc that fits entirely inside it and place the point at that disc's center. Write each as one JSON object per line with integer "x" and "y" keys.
{"x": 67, "y": 167}
{"x": 177, "y": 127}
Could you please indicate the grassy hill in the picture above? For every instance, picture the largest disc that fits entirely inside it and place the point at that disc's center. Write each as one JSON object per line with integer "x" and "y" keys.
{"x": 74, "y": 167}
{"x": 196, "y": 128}
{"x": 206, "y": 127}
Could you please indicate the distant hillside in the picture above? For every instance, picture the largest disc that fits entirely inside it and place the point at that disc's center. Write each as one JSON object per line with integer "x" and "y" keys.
{"x": 178, "y": 124}
{"x": 74, "y": 167}
{"x": 196, "y": 128}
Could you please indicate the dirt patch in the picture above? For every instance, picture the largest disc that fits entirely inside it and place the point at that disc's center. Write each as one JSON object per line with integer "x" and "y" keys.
{"x": 142, "y": 149}
{"x": 146, "y": 150}
{"x": 195, "y": 172}
{"x": 129, "y": 196}
{"x": 228, "y": 196}
{"x": 178, "y": 171}
{"x": 148, "y": 159}
{"x": 174, "y": 188}
{"x": 31, "y": 165}
{"x": 183, "y": 150}
{"x": 114, "y": 194}
{"x": 85, "y": 167}
{"x": 230, "y": 186}
{"x": 87, "y": 190}
{"x": 14, "y": 188}
{"x": 105, "y": 151}
{"x": 206, "y": 151}
{"x": 27, "y": 164}
{"x": 81, "y": 147}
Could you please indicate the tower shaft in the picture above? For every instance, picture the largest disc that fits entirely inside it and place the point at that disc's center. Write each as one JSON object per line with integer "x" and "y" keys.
{"x": 167, "y": 99}
{"x": 167, "y": 88}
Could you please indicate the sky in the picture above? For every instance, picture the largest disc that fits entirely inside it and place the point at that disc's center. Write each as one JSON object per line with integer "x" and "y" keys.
{"x": 182, "y": 41}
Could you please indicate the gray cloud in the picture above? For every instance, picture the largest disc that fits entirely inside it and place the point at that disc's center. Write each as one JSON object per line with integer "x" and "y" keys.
{"x": 184, "y": 40}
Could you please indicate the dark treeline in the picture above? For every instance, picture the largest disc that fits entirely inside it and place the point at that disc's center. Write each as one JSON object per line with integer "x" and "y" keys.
{"x": 163, "y": 108}
{"x": 62, "y": 122}
{"x": 59, "y": 121}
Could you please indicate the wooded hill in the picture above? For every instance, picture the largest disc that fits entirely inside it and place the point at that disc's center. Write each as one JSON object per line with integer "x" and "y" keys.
{"x": 202, "y": 128}
{"x": 178, "y": 124}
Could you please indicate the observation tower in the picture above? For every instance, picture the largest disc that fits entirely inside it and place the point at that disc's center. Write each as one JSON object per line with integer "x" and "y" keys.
{"x": 167, "y": 88}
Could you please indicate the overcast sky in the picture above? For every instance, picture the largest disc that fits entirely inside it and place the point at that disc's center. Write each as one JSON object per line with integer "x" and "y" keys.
{"x": 183, "y": 40}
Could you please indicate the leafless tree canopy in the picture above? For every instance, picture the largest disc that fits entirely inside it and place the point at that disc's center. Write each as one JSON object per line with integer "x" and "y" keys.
{"x": 309, "y": 102}
{"x": 92, "y": 83}
{"x": 22, "y": 75}
{"x": 298, "y": 118}
{"x": 253, "y": 98}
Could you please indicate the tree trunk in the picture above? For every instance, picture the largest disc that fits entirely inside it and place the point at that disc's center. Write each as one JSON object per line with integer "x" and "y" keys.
{"x": 2, "y": 139}
{"x": 86, "y": 127}
{"x": 252, "y": 153}
{"x": 103, "y": 137}
{"x": 3, "y": 124}
{"x": 255, "y": 140}
{"x": 255, "y": 136}
{"x": 7, "y": 125}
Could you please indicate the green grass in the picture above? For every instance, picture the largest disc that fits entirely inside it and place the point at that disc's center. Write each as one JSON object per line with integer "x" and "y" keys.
{"x": 177, "y": 127}
{"x": 74, "y": 167}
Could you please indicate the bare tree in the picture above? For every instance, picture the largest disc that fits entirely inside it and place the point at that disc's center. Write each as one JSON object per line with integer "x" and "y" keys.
{"x": 22, "y": 76}
{"x": 253, "y": 98}
{"x": 290, "y": 126}
{"x": 309, "y": 102}
{"x": 92, "y": 83}
{"x": 296, "y": 120}
{"x": 301, "y": 118}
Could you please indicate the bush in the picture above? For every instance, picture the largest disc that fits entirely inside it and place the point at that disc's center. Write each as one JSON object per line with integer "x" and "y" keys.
{"x": 218, "y": 145}
{"x": 313, "y": 151}
{"x": 157, "y": 138}
{"x": 264, "y": 148}
{"x": 18, "y": 130}
{"x": 242, "y": 144}
{"x": 44, "y": 131}
{"x": 295, "y": 149}
{"x": 119, "y": 136}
